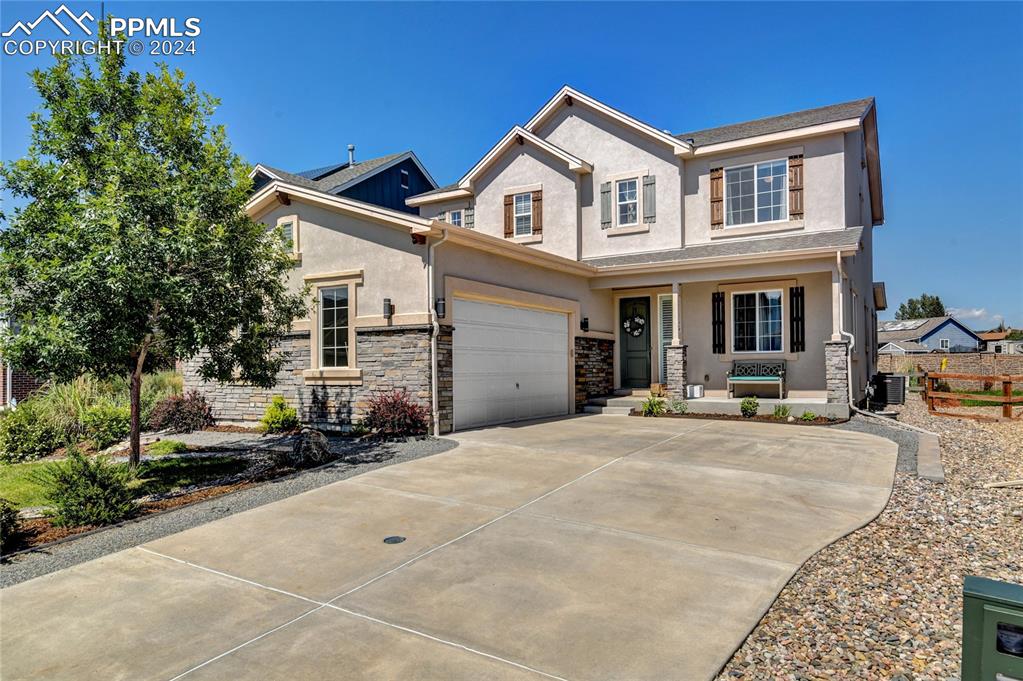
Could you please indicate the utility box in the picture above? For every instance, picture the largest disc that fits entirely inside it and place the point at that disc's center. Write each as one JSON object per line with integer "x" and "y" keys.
{"x": 992, "y": 630}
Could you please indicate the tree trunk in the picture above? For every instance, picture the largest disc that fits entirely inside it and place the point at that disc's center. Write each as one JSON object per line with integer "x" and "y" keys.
{"x": 135, "y": 439}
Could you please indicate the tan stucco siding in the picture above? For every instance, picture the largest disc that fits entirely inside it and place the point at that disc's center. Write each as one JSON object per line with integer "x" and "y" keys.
{"x": 824, "y": 185}
{"x": 393, "y": 267}
{"x": 432, "y": 210}
{"x": 525, "y": 166}
{"x": 614, "y": 150}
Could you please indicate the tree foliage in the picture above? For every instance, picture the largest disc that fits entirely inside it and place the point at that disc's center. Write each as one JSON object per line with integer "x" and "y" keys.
{"x": 919, "y": 308}
{"x": 133, "y": 242}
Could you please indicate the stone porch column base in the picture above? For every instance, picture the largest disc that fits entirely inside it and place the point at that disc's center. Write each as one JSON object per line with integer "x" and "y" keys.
{"x": 836, "y": 371}
{"x": 675, "y": 370}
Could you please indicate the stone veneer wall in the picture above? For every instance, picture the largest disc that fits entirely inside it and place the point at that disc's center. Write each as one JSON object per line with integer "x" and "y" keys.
{"x": 390, "y": 358}
{"x": 675, "y": 363}
{"x": 594, "y": 369}
{"x": 987, "y": 363}
{"x": 836, "y": 371}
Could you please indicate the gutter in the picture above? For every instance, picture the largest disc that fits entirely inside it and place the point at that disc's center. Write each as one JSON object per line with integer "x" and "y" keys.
{"x": 841, "y": 328}
{"x": 431, "y": 305}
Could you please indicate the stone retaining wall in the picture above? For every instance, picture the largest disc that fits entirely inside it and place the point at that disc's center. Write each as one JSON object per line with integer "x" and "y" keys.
{"x": 594, "y": 369}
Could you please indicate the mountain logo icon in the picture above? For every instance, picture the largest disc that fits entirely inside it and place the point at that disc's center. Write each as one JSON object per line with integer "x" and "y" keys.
{"x": 27, "y": 28}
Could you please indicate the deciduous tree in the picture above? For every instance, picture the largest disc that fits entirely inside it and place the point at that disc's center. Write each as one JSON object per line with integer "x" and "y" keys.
{"x": 918, "y": 308}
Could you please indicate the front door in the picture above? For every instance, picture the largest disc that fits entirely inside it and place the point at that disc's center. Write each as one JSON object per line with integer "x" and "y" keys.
{"x": 634, "y": 331}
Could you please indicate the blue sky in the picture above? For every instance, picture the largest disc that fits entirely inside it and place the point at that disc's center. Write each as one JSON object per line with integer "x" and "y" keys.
{"x": 299, "y": 81}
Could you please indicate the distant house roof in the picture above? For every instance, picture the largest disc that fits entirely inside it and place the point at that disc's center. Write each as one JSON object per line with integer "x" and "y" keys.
{"x": 899, "y": 330}
{"x": 339, "y": 176}
{"x": 899, "y": 347}
{"x": 790, "y": 121}
{"x": 993, "y": 335}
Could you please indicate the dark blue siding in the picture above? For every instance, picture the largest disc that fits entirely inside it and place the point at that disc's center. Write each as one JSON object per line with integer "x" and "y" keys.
{"x": 384, "y": 188}
{"x": 960, "y": 339}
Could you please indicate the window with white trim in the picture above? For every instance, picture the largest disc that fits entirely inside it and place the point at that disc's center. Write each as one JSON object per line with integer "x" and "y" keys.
{"x": 757, "y": 321}
{"x": 756, "y": 193}
{"x": 287, "y": 230}
{"x": 455, "y": 218}
{"x": 334, "y": 326}
{"x": 404, "y": 179}
{"x": 627, "y": 201}
{"x": 523, "y": 214}
{"x": 944, "y": 343}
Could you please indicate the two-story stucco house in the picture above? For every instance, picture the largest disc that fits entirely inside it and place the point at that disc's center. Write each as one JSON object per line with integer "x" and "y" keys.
{"x": 589, "y": 252}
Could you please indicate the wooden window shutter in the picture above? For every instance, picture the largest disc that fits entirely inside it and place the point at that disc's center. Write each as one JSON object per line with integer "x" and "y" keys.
{"x": 649, "y": 199}
{"x": 717, "y": 303}
{"x": 797, "y": 319}
{"x": 509, "y": 216}
{"x": 717, "y": 200}
{"x": 796, "y": 187}
{"x": 538, "y": 211}
{"x": 469, "y": 218}
{"x": 605, "y": 205}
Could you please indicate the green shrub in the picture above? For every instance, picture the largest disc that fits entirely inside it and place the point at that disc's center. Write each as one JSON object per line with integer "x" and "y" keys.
{"x": 782, "y": 411}
{"x": 279, "y": 417}
{"x": 88, "y": 491}
{"x": 9, "y": 525}
{"x": 25, "y": 433}
{"x": 653, "y": 406}
{"x": 394, "y": 414}
{"x": 808, "y": 416}
{"x": 106, "y": 424}
{"x": 749, "y": 407}
{"x": 182, "y": 413}
{"x": 678, "y": 406}
{"x": 358, "y": 429}
{"x": 63, "y": 406}
{"x": 166, "y": 447}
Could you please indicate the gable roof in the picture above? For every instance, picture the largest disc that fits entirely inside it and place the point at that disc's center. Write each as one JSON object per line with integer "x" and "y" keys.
{"x": 339, "y": 176}
{"x": 910, "y": 347}
{"x": 915, "y": 329}
{"x": 773, "y": 124}
{"x": 993, "y": 335}
{"x": 521, "y": 136}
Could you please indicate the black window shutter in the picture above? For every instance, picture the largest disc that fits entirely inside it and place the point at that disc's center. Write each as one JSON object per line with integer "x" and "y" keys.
{"x": 797, "y": 319}
{"x": 717, "y": 302}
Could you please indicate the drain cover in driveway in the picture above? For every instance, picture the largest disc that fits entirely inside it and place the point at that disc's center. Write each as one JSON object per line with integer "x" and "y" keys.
{"x": 394, "y": 539}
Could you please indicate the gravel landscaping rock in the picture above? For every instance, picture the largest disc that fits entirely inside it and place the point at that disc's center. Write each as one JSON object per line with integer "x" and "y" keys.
{"x": 905, "y": 438}
{"x": 356, "y": 458}
{"x": 885, "y": 602}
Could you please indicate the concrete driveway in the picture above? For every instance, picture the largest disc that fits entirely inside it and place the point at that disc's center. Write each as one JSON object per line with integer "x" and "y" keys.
{"x": 597, "y": 547}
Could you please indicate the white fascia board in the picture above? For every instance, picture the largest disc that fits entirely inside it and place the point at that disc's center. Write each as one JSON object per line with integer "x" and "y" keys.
{"x": 574, "y": 163}
{"x": 260, "y": 168}
{"x": 712, "y": 261}
{"x": 422, "y": 200}
{"x": 678, "y": 147}
{"x": 264, "y": 197}
{"x": 379, "y": 169}
{"x": 778, "y": 137}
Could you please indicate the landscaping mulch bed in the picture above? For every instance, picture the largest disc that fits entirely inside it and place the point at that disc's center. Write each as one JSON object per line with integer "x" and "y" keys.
{"x": 762, "y": 418}
{"x": 885, "y": 602}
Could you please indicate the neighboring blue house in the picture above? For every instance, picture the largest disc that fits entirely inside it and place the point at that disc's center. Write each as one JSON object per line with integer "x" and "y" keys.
{"x": 934, "y": 334}
{"x": 385, "y": 181}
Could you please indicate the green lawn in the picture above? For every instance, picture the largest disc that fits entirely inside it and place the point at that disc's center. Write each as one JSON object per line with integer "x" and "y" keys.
{"x": 22, "y": 485}
{"x": 979, "y": 403}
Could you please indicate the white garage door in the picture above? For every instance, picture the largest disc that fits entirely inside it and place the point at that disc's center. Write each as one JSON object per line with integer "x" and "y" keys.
{"x": 510, "y": 363}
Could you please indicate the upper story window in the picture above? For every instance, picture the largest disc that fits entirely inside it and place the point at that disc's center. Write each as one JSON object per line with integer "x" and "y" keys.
{"x": 756, "y": 193}
{"x": 523, "y": 214}
{"x": 757, "y": 322}
{"x": 404, "y": 179}
{"x": 288, "y": 228}
{"x": 455, "y": 218}
{"x": 334, "y": 326}
{"x": 627, "y": 193}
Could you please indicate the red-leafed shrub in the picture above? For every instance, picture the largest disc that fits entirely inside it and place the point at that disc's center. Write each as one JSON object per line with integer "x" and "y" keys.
{"x": 394, "y": 414}
{"x": 182, "y": 413}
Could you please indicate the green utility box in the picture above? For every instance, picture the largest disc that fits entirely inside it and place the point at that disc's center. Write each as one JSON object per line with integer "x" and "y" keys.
{"x": 992, "y": 630}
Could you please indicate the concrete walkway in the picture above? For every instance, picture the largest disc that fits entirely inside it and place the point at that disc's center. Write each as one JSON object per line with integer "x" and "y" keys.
{"x": 597, "y": 547}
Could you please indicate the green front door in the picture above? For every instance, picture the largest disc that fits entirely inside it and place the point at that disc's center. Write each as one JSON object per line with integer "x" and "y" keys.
{"x": 634, "y": 331}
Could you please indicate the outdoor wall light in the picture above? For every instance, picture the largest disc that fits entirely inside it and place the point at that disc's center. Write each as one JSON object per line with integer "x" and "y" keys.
{"x": 585, "y": 324}
{"x": 388, "y": 309}
{"x": 440, "y": 305}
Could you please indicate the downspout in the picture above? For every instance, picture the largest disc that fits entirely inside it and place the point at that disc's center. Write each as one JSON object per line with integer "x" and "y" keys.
{"x": 431, "y": 305}
{"x": 841, "y": 327}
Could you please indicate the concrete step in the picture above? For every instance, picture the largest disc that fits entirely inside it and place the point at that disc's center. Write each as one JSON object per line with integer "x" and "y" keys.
{"x": 641, "y": 393}
{"x": 597, "y": 409}
{"x": 623, "y": 401}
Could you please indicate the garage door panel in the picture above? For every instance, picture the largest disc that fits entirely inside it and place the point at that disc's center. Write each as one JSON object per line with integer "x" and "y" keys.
{"x": 510, "y": 363}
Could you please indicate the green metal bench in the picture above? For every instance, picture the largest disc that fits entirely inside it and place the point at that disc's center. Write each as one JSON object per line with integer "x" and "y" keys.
{"x": 757, "y": 372}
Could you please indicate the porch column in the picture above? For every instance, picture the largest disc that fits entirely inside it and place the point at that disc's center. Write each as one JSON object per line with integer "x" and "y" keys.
{"x": 676, "y": 313}
{"x": 675, "y": 366}
{"x": 836, "y": 304}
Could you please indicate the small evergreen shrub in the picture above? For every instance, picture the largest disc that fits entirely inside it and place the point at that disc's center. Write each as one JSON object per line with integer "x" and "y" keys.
{"x": 782, "y": 411}
{"x": 358, "y": 429}
{"x": 9, "y": 525}
{"x": 394, "y": 414}
{"x": 749, "y": 407}
{"x": 26, "y": 434}
{"x": 166, "y": 447}
{"x": 653, "y": 406}
{"x": 279, "y": 417}
{"x": 182, "y": 413}
{"x": 106, "y": 424}
{"x": 808, "y": 416}
{"x": 86, "y": 491}
{"x": 678, "y": 406}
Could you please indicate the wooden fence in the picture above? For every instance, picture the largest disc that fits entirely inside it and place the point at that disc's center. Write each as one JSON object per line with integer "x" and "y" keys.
{"x": 1006, "y": 399}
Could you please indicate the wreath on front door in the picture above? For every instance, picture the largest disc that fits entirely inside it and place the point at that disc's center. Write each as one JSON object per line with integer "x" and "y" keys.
{"x": 634, "y": 325}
